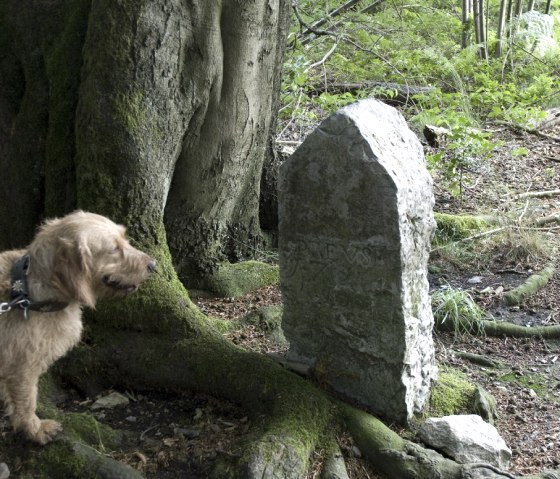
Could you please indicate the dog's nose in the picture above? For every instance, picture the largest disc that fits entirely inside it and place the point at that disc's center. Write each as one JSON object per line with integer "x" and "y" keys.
{"x": 152, "y": 265}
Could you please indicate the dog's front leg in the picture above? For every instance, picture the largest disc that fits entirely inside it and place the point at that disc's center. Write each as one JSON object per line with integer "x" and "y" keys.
{"x": 21, "y": 398}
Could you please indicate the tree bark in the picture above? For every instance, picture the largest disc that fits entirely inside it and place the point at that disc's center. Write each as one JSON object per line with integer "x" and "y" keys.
{"x": 235, "y": 70}
{"x": 148, "y": 112}
{"x": 501, "y": 27}
{"x": 40, "y": 59}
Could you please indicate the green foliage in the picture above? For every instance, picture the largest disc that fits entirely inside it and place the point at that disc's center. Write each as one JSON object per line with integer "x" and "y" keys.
{"x": 330, "y": 102}
{"x": 457, "y": 227}
{"x": 456, "y": 310}
{"x": 467, "y": 145}
{"x": 419, "y": 44}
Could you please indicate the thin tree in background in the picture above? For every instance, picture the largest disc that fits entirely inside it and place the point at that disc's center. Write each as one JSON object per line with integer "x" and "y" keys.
{"x": 501, "y": 27}
{"x": 466, "y": 16}
{"x": 480, "y": 27}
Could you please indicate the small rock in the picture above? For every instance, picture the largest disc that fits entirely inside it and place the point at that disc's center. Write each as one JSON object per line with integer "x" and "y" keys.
{"x": 532, "y": 393}
{"x": 466, "y": 439}
{"x": 485, "y": 405}
{"x": 110, "y": 401}
{"x": 356, "y": 452}
{"x": 188, "y": 433}
{"x": 4, "y": 471}
{"x": 475, "y": 280}
{"x": 131, "y": 419}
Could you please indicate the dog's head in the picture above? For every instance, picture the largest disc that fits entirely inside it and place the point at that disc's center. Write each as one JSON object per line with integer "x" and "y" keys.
{"x": 85, "y": 256}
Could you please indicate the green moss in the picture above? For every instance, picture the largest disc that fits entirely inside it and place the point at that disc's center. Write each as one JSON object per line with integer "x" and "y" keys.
{"x": 84, "y": 428}
{"x": 452, "y": 394}
{"x": 268, "y": 319}
{"x": 74, "y": 460}
{"x": 48, "y": 389}
{"x": 221, "y": 325}
{"x": 137, "y": 117}
{"x": 530, "y": 286}
{"x": 59, "y": 460}
{"x": 536, "y": 382}
{"x": 457, "y": 227}
{"x": 233, "y": 280}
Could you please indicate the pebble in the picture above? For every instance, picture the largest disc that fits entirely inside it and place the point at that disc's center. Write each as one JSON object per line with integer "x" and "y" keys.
{"x": 356, "y": 452}
{"x": 188, "y": 433}
{"x": 4, "y": 471}
{"x": 532, "y": 393}
{"x": 110, "y": 401}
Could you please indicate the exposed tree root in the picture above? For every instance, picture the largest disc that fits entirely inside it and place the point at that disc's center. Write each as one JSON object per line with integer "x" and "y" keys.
{"x": 297, "y": 416}
{"x": 529, "y": 287}
{"x": 334, "y": 466}
{"x": 538, "y": 194}
{"x": 398, "y": 458}
{"x": 548, "y": 219}
{"x": 502, "y": 328}
{"x": 492, "y": 328}
{"x": 173, "y": 346}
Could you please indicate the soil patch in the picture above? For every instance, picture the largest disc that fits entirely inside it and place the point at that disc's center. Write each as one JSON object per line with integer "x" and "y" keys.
{"x": 180, "y": 436}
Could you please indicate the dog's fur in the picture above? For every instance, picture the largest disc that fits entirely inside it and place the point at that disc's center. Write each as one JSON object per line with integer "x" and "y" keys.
{"x": 76, "y": 259}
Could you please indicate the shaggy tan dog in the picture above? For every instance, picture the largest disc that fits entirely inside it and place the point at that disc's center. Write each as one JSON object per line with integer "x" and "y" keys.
{"x": 72, "y": 262}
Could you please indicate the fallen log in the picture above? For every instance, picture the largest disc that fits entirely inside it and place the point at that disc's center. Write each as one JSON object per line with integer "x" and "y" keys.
{"x": 548, "y": 219}
{"x": 552, "y": 119}
{"x": 538, "y": 194}
{"x": 402, "y": 93}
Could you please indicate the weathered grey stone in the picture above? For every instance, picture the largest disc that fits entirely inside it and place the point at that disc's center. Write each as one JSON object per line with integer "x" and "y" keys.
{"x": 466, "y": 439}
{"x": 110, "y": 401}
{"x": 484, "y": 405}
{"x": 4, "y": 471}
{"x": 355, "y": 223}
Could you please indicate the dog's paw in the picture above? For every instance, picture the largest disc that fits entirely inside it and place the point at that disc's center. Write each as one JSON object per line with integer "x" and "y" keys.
{"x": 46, "y": 432}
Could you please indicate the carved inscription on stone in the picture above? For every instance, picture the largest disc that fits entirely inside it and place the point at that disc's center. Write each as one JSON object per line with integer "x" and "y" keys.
{"x": 355, "y": 210}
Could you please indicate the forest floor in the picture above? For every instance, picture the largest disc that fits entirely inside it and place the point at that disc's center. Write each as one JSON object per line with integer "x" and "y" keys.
{"x": 179, "y": 436}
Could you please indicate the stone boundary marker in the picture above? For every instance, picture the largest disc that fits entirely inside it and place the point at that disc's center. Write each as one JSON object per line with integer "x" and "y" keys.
{"x": 355, "y": 224}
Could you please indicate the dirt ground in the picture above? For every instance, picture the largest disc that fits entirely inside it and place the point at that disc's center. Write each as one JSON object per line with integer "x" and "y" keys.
{"x": 179, "y": 436}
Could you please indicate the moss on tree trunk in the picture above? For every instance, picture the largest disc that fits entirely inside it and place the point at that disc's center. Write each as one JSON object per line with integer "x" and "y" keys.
{"x": 171, "y": 114}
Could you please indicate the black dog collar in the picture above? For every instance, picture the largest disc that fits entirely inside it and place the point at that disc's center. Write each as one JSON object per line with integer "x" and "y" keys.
{"x": 19, "y": 295}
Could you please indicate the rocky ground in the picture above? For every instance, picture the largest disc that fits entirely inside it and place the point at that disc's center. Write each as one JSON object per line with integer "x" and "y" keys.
{"x": 179, "y": 436}
{"x": 526, "y": 384}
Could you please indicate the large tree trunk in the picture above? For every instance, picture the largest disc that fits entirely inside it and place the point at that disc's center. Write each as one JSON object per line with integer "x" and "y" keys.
{"x": 157, "y": 112}
{"x": 176, "y": 104}
{"x": 212, "y": 207}
{"x": 40, "y": 59}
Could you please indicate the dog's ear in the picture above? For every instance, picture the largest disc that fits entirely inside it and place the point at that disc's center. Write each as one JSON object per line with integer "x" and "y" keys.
{"x": 72, "y": 270}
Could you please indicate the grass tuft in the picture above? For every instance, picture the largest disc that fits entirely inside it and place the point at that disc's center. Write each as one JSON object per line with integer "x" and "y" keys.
{"x": 456, "y": 310}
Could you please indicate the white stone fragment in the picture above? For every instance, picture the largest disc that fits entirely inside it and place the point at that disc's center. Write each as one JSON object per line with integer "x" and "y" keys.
{"x": 110, "y": 401}
{"x": 466, "y": 439}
